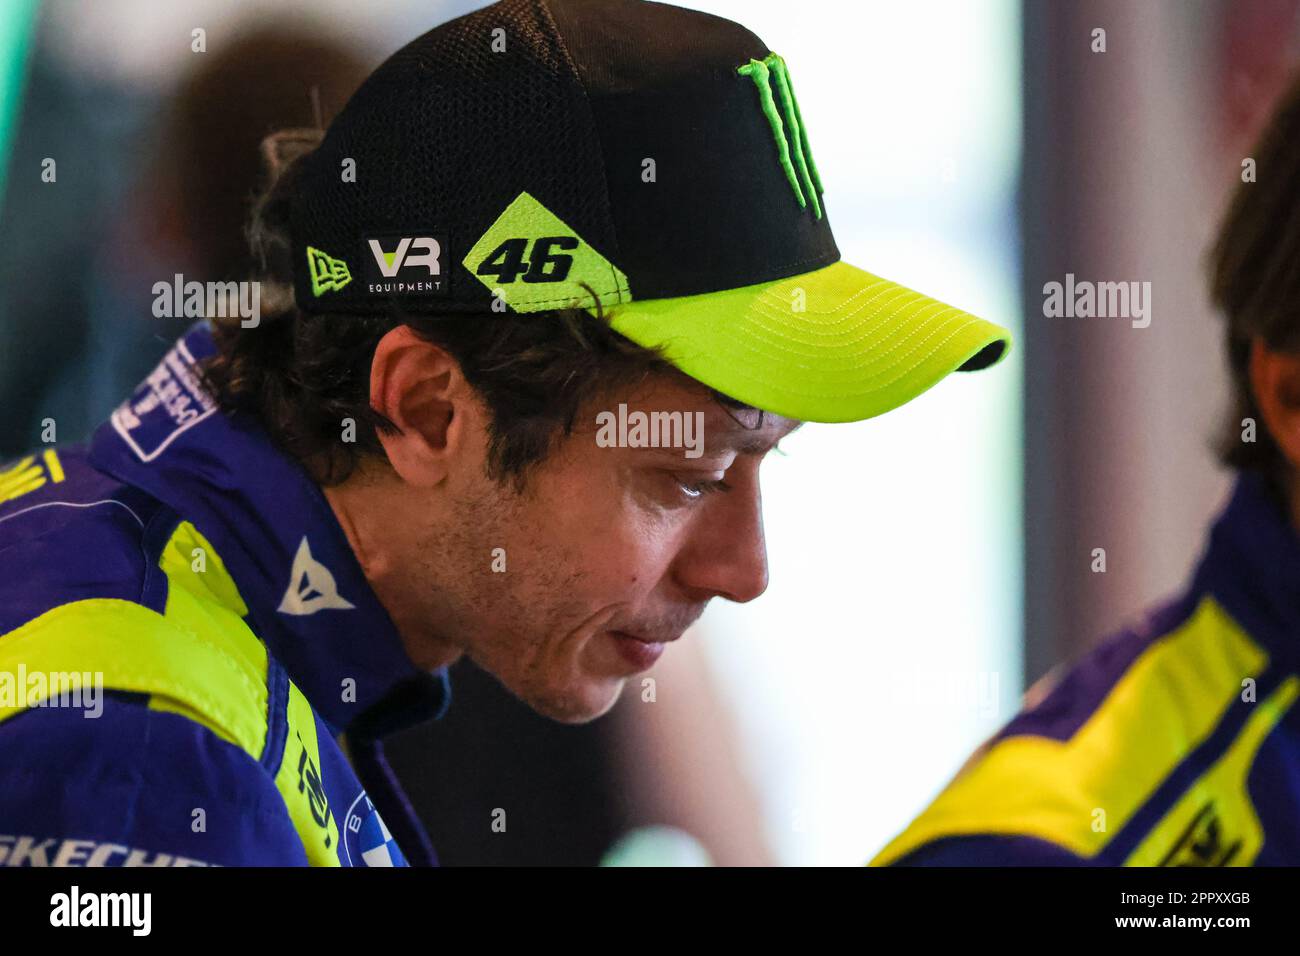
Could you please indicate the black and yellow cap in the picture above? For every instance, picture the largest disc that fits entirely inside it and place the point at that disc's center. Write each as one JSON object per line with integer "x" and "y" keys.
{"x": 636, "y": 157}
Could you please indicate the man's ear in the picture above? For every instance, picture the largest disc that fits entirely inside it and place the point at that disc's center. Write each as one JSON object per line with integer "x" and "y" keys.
{"x": 419, "y": 387}
{"x": 1275, "y": 381}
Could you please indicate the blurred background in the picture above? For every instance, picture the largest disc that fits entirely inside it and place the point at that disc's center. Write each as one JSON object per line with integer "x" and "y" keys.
{"x": 926, "y": 566}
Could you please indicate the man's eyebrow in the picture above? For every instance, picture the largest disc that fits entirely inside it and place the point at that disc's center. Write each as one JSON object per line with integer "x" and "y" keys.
{"x": 745, "y": 442}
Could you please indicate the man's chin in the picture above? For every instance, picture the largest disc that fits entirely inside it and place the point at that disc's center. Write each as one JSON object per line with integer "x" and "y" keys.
{"x": 578, "y": 705}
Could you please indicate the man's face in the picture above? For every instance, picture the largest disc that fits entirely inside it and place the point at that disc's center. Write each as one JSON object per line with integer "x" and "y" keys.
{"x": 608, "y": 555}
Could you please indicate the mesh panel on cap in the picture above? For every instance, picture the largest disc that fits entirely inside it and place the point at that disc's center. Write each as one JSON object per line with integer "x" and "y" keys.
{"x": 445, "y": 134}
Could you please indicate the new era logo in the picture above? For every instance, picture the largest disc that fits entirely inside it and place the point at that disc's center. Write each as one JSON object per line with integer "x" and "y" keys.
{"x": 311, "y": 587}
{"x": 327, "y": 273}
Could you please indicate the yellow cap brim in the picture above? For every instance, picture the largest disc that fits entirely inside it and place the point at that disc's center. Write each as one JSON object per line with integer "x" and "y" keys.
{"x": 834, "y": 345}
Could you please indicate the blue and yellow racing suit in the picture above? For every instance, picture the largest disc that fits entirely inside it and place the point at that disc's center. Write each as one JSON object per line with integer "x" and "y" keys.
{"x": 187, "y": 647}
{"x": 1176, "y": 743}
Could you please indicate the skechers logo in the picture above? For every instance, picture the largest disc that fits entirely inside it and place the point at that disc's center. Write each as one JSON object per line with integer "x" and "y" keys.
{"x": 21, "y": 850}
{"x": 404, "y": 265}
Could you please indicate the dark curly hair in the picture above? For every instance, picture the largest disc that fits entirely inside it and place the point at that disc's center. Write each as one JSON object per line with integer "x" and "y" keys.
{"x": 302, "y": 375}
{"x": 1255, "y": 281}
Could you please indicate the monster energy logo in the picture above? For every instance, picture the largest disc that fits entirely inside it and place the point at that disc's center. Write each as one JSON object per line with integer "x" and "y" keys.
{"x": 326, "y": 272}
{"x": 801, "y": 171}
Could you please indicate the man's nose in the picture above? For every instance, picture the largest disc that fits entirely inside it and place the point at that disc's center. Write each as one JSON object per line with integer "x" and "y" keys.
{"x": 726, "y": 555}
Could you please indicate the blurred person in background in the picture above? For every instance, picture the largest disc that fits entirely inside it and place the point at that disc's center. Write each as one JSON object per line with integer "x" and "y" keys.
{"x": 77, "y": 340}
{"x": 1177, "y": 742}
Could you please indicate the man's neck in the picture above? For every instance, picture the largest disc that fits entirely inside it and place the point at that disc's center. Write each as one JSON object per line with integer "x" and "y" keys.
{"x": 369, "y": 534}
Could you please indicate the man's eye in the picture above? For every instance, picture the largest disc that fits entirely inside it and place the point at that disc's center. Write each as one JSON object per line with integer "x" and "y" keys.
{"x": 698, "y": 489}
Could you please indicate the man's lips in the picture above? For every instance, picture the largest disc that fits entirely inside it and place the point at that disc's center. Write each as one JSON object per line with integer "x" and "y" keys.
{"x": 650, "y": 639}
{"x": 640, "y": 650}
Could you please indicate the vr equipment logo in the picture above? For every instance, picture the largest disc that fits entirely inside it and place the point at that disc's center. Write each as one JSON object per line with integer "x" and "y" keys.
{"x": 405, "y": 265}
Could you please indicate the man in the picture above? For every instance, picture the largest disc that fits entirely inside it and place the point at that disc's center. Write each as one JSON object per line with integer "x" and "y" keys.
{"x": 514, "y": 247}
{"x": 1178, "y": 743}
